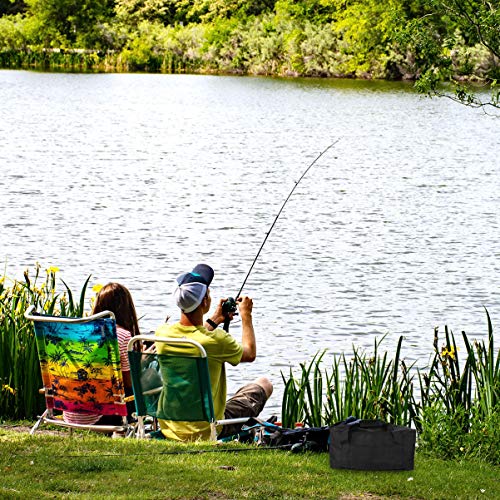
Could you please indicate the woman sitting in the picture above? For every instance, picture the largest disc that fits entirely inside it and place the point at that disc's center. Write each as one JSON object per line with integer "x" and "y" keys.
{"x": 117, "y": 299}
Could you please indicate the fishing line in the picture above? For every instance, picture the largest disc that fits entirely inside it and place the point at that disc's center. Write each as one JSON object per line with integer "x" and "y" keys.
{"x": 229, "y": 305}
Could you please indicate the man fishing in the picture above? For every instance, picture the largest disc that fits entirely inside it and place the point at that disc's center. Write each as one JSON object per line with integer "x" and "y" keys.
{"x": 192, "y": 296}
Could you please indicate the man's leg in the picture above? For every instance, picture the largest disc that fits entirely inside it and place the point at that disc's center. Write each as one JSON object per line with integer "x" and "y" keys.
{"x": 249, "y": 401}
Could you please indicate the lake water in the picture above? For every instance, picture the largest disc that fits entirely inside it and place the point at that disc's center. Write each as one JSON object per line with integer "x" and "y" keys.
{"x": 136, "y": 178}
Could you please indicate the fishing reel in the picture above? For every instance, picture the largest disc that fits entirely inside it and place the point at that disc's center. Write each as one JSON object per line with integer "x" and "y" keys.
{"x": 229, "y": 306}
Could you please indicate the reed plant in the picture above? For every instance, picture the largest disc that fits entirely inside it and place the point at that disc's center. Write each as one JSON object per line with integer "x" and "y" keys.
{"x": 455, "y": 406}
{"x": 458, "y": 411}
{"x": 365, "y": 386}
{"x": 20, "y": 377}
{"x": 60, "y": 59}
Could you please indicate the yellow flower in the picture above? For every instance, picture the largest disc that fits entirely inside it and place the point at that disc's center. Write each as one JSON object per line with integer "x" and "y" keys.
{"x": 8, "y": 388}
{"x": 52, "y": 270}
{"x": 97, "y": 288}
{"x": 449, "y": 353}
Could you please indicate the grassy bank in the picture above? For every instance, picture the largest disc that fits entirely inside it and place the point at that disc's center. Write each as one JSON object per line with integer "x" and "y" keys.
{"x": 455, "y": 406}
{"x": 59, "y": 466}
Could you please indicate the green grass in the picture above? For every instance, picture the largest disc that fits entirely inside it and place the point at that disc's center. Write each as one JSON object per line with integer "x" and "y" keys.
{"x": 89, "y": 466}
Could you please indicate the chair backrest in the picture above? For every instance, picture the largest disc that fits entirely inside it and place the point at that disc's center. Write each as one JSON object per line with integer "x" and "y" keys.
{"x": 173, "y": 385}
{"x": 80, "y": 363}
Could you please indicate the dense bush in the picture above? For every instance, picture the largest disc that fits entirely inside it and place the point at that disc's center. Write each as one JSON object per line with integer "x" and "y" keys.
{"x": 362, "y": 38}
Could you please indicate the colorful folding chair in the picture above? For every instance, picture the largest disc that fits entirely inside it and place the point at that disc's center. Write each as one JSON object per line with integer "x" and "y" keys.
{"x": 81, "y": 371}
{"x": 174, "y": 385}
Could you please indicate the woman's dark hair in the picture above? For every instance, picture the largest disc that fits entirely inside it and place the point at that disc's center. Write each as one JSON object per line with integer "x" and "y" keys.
{"x": 117, "y": 299}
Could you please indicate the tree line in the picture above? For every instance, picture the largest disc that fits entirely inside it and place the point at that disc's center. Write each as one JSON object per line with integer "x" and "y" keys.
{"x": 425, "y": 40}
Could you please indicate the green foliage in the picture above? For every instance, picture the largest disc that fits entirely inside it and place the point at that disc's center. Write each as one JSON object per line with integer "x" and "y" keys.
{"x": 20, "y": 378}
{"x": 454, "y": 41}
{"x": 167, "y": 12}
{"x": 16, "y": 32}
{"x": 68, "y": 22}
{"x": 441, "y": 434}
{"x": 470, "y": 392}
{"x": 238, "y": 8}
{"x": 366, "y": 387}
{"x": 456, "y": 412}
{"x": 477, "y": 20}
{"x": 144, "y": 48}
{"x": 427, "y": 40}
{"x": 318, "y": 53}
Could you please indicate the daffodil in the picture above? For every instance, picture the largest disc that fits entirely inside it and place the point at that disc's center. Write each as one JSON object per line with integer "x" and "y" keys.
{"x": 97, "y": 288}
{"x": 52, "y": 270}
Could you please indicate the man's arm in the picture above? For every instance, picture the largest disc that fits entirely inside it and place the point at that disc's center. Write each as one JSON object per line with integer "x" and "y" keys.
{"x": 245, "y": 305}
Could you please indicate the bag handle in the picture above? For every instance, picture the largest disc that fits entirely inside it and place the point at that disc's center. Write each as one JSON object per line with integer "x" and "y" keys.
{"x": 352, "y": 423}
{"x": 373, "y": 424}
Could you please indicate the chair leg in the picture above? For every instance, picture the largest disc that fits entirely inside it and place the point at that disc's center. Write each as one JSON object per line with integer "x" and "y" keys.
{"x": 139, "y": 428}
{"x": 38, "y": 422}
{"x": 213, "y": 431}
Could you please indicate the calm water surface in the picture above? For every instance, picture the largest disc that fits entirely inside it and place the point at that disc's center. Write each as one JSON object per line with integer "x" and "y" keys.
{"x": 136, "y": 178}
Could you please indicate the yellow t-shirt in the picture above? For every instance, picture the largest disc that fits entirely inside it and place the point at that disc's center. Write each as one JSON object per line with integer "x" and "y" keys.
{"x": 221, "y": 348}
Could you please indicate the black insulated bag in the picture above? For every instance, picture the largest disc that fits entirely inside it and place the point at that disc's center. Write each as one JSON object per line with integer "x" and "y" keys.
{"x": 371, "y": 445}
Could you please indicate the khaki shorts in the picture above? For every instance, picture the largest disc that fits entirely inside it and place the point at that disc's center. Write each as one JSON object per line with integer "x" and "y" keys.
{"x": 249, "y": 401}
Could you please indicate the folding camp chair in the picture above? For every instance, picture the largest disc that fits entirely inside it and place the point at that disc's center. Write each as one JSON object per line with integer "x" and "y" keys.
{"x": 173, "y": 385}
{"x": 81, "y": 371}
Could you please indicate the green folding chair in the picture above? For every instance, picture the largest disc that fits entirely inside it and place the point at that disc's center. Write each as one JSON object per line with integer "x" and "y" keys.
{"x": 81, "y": 371}
{"x": 173, "y": 386}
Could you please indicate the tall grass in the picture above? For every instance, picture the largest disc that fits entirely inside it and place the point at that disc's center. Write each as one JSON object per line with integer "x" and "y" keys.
{"x": 473, "y": 385}
{"x": 459, "y": 408}
{"x": 455, "y": 406}
{"x": 365, "y": 386}
{"x": 20, "y": 378}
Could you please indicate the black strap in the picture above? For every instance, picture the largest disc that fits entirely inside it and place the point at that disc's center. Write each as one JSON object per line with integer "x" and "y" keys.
{"x": 213, "y": 324}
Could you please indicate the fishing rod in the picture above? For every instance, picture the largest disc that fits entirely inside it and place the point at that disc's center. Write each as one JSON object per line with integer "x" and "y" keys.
{"x": 229, "y": 306}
